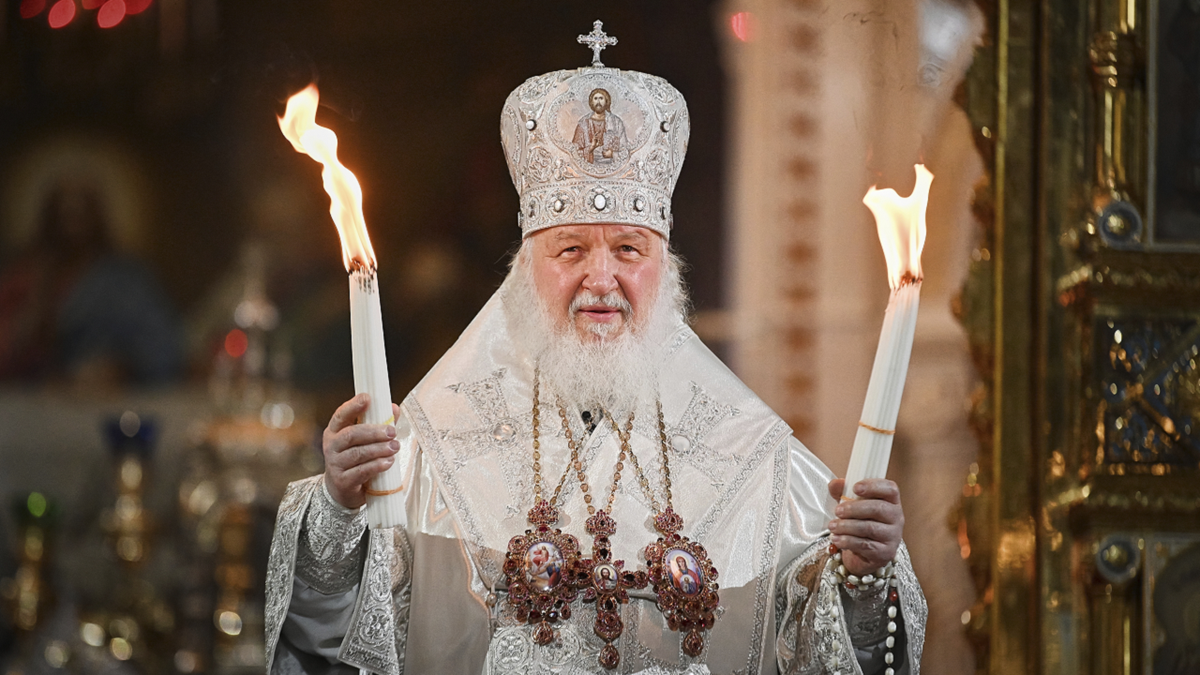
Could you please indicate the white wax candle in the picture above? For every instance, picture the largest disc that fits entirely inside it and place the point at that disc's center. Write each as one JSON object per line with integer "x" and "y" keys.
{"x": 371, "y": 377}
{"x": 877, "y": 425}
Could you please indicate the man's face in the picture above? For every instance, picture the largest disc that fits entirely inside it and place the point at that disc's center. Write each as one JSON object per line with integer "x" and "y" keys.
{"x": 592, "y": 261}
{"x": 599, "y": 101}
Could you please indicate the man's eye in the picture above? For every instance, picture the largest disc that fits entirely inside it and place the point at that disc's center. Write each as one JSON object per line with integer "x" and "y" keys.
{"x": 628, "y": 249}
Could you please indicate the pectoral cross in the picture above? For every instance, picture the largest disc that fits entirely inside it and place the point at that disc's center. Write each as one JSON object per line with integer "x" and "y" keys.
{"x": 596, "y": 41}
{"x": 607, "y": 584}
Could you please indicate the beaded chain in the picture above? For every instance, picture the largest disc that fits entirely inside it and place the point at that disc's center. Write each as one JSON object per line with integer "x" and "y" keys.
{"x": 577, "y": 464}
{"x": 884, "y": 576}
{"x": 666, "y": 466}
{"x": 537, "y": 456}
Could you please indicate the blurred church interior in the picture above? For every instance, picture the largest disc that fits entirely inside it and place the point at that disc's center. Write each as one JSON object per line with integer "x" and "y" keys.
{"x": 174, "y": 321}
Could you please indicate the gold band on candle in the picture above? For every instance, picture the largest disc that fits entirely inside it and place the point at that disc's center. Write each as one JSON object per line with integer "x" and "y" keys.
{"x": 381, "y": 493}
{"x": 885, "y": 432}
{"x": 361, "y": 420}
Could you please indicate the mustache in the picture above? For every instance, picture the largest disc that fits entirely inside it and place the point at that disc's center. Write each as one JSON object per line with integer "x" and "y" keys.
{"x": 612, "y": 299}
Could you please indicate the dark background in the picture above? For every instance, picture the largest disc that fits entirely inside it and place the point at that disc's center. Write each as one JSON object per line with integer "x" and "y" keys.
{"x": 413, "y": 91}
{"x": 168, "y": 120}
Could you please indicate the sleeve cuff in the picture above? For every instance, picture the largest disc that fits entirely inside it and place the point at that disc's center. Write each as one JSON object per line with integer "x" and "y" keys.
{"x": 331, "y": 547}
{"x": 332, "y": 503}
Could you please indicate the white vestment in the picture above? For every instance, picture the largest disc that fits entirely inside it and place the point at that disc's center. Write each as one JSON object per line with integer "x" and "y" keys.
{"x": 429, "y": 597}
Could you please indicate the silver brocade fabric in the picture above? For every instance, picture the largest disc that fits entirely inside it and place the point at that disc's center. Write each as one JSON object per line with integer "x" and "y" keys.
{"x": 433, "y": 598}
{"x": 546, "y": 127}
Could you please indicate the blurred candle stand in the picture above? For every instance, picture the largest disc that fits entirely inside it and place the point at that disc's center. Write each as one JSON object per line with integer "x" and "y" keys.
{"x": 167, "y": 559}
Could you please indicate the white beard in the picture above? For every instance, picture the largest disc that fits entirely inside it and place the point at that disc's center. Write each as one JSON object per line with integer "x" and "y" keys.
{"x": 616, "y": 373}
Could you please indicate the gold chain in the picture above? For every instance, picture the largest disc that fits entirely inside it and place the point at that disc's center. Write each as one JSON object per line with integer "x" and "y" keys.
{"x": 641, "y": 477}
{"x": 577, "y": 464}
{"x": 575, "y": 461}
{"x": 666, "y": 461}
{"x": 626, "y": 450}
{"x": 537, "y": 452}
{"x": 666, "y": 465}
{"x": 537, "y": 455}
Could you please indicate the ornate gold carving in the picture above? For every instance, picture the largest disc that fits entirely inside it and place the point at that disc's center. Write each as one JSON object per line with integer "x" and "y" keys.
{"x": 1081, "y": 457}
{"x": 1138, "y": 273}
{"x": 1117, "y": 66}
{"x": 1140, "y": 365}
{"x": 1016, "y": 545}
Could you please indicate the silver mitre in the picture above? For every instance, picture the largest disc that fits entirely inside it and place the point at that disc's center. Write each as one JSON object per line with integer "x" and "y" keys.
{"x": 595, "y": 145}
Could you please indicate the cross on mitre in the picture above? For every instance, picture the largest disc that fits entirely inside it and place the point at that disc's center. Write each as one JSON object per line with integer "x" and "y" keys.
{"x": 597, "y": 40}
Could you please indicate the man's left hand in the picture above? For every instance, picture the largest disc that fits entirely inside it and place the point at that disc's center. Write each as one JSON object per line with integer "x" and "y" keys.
{"x": 867, "y": 530}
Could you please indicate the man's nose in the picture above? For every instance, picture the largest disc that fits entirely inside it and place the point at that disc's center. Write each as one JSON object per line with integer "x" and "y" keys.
{"x": 599, "y": 279}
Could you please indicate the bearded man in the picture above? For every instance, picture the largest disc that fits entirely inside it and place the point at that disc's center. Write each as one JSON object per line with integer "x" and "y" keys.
{"x": 579, "y": 413}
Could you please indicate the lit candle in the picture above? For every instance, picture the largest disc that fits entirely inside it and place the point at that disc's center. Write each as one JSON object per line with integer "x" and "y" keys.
{"x": 385, "y": 507}
{"x": 901, "y": 225}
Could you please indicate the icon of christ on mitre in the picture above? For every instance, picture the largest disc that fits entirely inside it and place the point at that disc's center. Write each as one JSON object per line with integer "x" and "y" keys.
{"x": 600, "y": 135}
{"x": 587, "y": 488}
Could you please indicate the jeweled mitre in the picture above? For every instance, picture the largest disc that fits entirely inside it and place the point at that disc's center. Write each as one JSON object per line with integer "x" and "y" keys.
{"x": 595, "y": 145}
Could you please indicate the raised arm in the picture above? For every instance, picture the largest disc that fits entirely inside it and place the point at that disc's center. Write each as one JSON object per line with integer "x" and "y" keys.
{"x": 846, "y": 583}
{"x": 322, "y": 552}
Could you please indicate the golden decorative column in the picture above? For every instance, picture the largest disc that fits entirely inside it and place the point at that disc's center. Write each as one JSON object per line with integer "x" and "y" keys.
{"x": 1083, "y": 520}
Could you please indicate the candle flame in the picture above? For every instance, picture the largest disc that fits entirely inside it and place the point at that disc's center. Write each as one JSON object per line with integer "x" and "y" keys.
{"x": 299, "y": 125}
{"x": 901, "y": 225}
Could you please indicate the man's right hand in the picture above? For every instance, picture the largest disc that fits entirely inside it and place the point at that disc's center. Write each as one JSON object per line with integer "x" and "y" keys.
{"x": 356, "y": 453}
